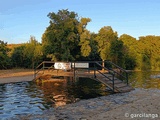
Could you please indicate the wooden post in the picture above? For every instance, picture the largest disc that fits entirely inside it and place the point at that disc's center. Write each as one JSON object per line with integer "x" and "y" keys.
{"x": 34, "y": 72}
{"x": 127, "y": 77}
{"x": 103, "y": 65}
{"x": 74, "y": 71}
{"x": 94, "y": 70}
{"x": 43, "y": 67}
{"x": 113, "y": 82}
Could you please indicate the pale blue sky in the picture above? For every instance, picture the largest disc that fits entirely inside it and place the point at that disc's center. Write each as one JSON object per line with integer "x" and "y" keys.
{"x": 22, "y": 18}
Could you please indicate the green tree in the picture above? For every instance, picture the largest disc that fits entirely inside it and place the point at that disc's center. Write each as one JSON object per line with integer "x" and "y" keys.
{"x": 132, "y": 52}
{"x": 18, "y": 56}
{"x": 130, "y": 62}
{"x": 150, "y": 50}
{"x": 91, "y": 50}
{"x": 85, "y": 39}
{"x": 5, "y": 61}
{"x": 144, "y": 51}
{"x": 94, "y": 54}
{"x": 27, "y": 55}
{"x": 117, "y": 52}
{"x": 104, "y": 38}
{"x": 32, "y": 53}
{"x": 61, "y": 38}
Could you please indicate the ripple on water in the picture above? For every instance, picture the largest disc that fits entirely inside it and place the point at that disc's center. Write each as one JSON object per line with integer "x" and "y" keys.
{"x": 30, "y": 98}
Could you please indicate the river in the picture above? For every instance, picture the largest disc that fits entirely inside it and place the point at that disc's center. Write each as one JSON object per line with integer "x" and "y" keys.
{"x": 33, "y": 98}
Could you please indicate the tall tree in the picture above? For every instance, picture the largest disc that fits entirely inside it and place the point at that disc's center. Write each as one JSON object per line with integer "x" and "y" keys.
{"x": 132, "y": 52}
{"x": 104, "y": 38}
{"x": 61, "y": 38}
{"x": 85, "y": 37}
{"x": 94, "y": 54}
{"x": 117, "y": 52}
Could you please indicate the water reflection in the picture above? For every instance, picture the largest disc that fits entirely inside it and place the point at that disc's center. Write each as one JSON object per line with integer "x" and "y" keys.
{"x": 33, "y": 98}
{"x": 144, "y": 79}
{"x": 54, "y": 92}
{"x": 58, "y": 92}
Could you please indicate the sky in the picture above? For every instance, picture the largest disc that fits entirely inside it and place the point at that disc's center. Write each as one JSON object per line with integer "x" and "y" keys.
{"x": 21, "y": 19}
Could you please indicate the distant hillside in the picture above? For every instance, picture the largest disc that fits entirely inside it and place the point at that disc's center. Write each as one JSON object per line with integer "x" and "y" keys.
{"x": 12, "y": 46}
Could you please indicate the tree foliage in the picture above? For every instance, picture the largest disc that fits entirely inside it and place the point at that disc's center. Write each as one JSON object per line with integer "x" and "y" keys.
{"x": 150, "y": 52}
{"x": 27, "y": 55}
{"x": 85, "y": 38}
{"x": 61, "y": 37}
{"x": 117, "y": 52}
{"x": 145, "y": 51}
{"x": 104, "y": 38}
{"x": 67, "y": 39}
{"x": 4, "y": 58}
{"x": 18, "y": 56}
{"x": 131, "y": 51}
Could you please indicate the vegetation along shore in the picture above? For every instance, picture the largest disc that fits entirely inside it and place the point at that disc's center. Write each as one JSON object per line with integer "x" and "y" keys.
{"x": 67, "y": 39}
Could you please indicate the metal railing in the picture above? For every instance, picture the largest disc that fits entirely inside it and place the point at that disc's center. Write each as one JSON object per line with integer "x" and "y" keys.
{"x": 121, "y": 73}
{"x": 109, "y": 72}
{"x": 42, "y": 66}
{"x": 112, "y": 69}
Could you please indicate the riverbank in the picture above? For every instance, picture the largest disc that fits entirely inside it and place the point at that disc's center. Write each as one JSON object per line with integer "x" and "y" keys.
{"x": 139, "y": 104}
{"x": 16, "y": 75}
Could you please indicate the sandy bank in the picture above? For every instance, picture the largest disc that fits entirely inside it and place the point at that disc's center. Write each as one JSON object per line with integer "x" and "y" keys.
{"x": 16, "y": 79}
{"x": 16, "y": 75}
{"x": 139, "y": 104}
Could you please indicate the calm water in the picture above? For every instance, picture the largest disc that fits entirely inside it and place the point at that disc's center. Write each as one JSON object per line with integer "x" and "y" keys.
{"x": 145, "y": 79}
{"x": 28, "y": 98}
{"x": 33, "y": 98}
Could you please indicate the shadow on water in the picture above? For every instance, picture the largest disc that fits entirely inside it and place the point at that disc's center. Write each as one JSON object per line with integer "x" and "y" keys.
{"x": 29, "y": 97}
{"x": 145, "y": 79}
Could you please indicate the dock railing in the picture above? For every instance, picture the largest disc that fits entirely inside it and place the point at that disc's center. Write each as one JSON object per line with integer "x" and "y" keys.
{"x": 42, "y": 66}
{"x": 121, "y": 73}
{"x": 95, "y": 66}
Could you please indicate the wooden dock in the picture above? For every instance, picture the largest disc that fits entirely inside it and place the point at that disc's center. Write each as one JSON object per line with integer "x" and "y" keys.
{"x": 105, "y": 78}
{"x": 119, "y": 85}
